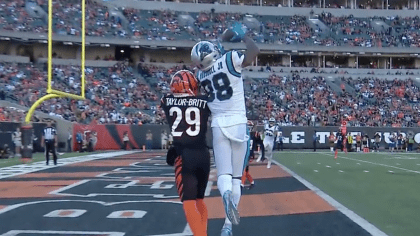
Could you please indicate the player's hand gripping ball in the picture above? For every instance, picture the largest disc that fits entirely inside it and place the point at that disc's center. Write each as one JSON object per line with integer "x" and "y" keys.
{"x": 239, "y": 30}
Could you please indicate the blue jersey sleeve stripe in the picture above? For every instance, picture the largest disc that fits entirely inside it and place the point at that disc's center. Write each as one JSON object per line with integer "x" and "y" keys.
{"x": 230, "y": 65}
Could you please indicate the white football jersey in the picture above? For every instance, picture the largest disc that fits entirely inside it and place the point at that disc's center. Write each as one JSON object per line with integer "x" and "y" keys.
{"x": 224, "y": 85}
{"x": 270, "y": 132}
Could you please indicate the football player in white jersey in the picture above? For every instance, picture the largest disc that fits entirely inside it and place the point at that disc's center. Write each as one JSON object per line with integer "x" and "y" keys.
{"x": 270, "y": 133}
{"x": 220, "y": 75}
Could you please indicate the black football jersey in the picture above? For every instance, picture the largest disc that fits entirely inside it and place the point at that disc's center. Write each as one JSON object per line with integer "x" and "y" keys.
{"x": 187, "y": 118}
{"x": 339, "y": 137}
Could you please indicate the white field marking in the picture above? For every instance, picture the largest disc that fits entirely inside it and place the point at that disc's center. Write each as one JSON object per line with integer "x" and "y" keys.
{"x": 370, "y": 228}
{"x": 316, "y": 171}
{"x": 366, "y": 171}
{"x": 74, "y": 214}
{"x": 61, "y": 190}
{"x": 358, "y": 163}
{"x": 379, "y": 164}
{"x": 298, "y": 163}
{"x": 58, "y": 191}
{"x": 16, "y": 170}
{"x": 340, "y": 171}
{"x": 328, "y": 166}
{"x": 208, "y": 188}
{"x": 41, "y": 232}
{"x": 337, "y": 163}
{"x": 319, "y": 163}
{"x": 401, "y": 158}
{"x": 186, "y": 232}
{"x": 390, "y": 171}
{"x": 15, "y": 206}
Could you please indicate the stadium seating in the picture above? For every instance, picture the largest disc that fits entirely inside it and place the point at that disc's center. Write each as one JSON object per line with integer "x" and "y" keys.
{"x": 123, "y": 95}
{"x": 114, "y": 95}
{"x": 171, "y": 25}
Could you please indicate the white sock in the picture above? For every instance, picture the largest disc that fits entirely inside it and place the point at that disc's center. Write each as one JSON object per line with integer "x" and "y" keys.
{"x": 236, "y": 190}
{"x": 332, "y": 149}
{"x": 224, "y": 183}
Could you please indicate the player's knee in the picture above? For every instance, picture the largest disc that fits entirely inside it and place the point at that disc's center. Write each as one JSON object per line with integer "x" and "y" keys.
{"x": 224, "y": 182}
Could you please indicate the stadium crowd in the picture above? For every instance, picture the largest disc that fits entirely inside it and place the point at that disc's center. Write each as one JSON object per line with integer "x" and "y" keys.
{"x": 118, "y": 95}
{"x": 303, "y": 101}
{"x": 114, "y": 95}
{"x": 170, "y": 25}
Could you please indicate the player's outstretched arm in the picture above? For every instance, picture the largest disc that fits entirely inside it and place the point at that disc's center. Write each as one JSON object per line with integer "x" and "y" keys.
{"x": 252, "y": 49}
{"x": 251, "y": 52}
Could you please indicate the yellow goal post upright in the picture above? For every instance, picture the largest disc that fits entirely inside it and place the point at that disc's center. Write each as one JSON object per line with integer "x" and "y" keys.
{"x": 52, "y": 93}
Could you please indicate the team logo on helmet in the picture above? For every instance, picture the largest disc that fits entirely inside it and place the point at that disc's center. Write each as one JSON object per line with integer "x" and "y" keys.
{"x": 184, "y": 82}
{"x": 204, "y": 51}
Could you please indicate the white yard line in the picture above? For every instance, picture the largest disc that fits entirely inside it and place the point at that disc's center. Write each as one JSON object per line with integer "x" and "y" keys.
{"x": 349, "y": 213}
{"x": 374, "y": 163}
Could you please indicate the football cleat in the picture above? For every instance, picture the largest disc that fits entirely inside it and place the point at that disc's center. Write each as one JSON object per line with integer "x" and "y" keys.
{"x": 226, "y": 230}
{"x": 231, "y": 209}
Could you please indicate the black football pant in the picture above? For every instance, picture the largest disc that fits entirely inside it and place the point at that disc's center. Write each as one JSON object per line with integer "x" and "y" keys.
{"x": 192, "y": 169}
{"x": 50, "y": 147}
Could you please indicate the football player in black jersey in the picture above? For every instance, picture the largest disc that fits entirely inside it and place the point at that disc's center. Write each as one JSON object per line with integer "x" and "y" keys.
{"x": 339, "y": 145}
{"x": 187, "y": 114}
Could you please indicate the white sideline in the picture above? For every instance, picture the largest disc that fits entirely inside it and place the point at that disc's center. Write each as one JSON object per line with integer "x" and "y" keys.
{"x": 370, "y": 228}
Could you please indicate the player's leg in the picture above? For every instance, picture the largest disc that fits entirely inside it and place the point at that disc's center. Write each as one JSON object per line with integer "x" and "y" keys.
{"x": 268, "y": 146}
{"x": 54, "y": 153}
{"x": 203, "y": 178}
{"x": 245, "y": 176}
{"x": 240, "y": 159}
{"x": 186, "y": 183}
{"x": 222, "y": 152}
{"x": 47, "y": 152}
{"x": 337, "y": 146}
{"x": 249, "y": 177}
{"x": 239, "y": 162}
{"x": 222, "y": 157}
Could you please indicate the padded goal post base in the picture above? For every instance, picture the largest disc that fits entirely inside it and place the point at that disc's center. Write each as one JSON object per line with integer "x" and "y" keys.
{"x": 27, "y": 142}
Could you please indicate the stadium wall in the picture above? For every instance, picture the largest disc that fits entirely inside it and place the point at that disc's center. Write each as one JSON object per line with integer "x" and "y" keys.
{"x": 109, "y": 137}
{"x": 63, "y": 126}
{"x": 7, "y": 128}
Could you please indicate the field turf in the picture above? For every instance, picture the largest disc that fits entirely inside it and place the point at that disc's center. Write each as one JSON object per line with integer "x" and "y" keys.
{"x": 382, "y": 187}
{"x": 38, "y": 157}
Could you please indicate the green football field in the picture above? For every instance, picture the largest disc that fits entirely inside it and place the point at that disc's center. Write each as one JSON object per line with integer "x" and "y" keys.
{"x": 383, "y": 188}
